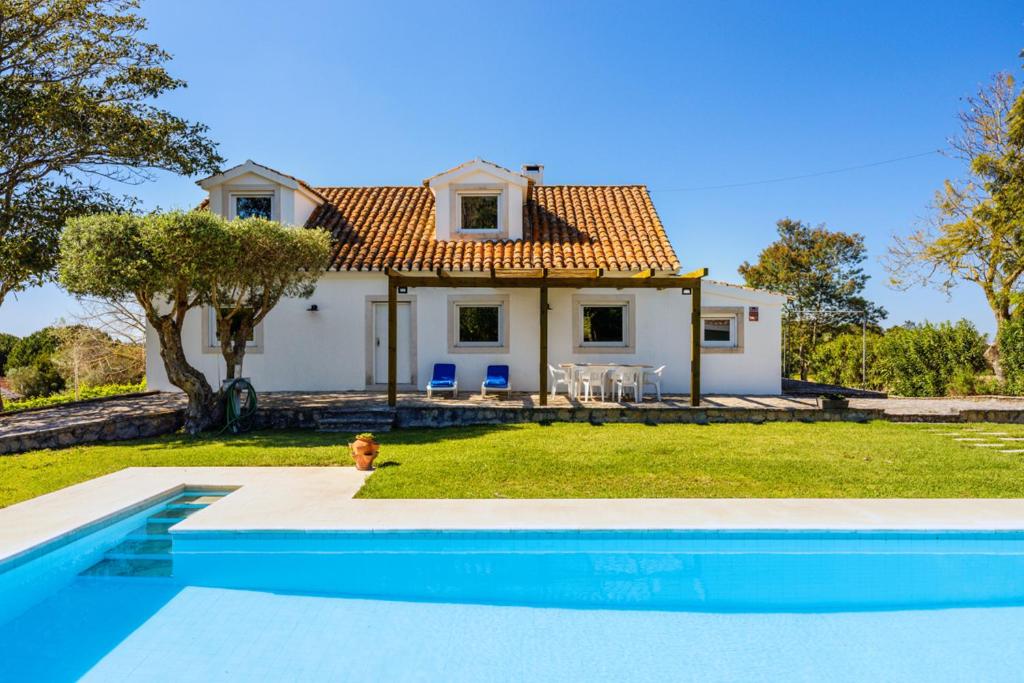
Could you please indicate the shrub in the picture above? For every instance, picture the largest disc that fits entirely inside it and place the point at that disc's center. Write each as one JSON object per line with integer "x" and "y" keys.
{"x": 69, "y": 396}
{"x": 838, "y": 361}
{"x": 923, "y": 360}
{"x": 40, "y": 379}
{"x": 7, "y": 342}
{"x": 1011, "y": 354}
{"x": 38, "y": 346}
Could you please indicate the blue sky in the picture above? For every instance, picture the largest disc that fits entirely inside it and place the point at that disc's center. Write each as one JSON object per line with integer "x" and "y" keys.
{"x": 674, "y": 95}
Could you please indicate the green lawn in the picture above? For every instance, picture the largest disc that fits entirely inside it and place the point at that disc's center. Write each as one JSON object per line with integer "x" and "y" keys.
{"x": 839, "y": 460}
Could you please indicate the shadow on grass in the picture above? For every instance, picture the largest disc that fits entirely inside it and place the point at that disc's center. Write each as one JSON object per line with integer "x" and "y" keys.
{"x": 307, "y": 438}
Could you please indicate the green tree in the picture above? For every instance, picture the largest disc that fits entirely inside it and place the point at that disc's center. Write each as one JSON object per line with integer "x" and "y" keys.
{"x": 7, "y": 343}
{"x": 77, "y": 108}
{"x": 976, "y": 232}
{"x": 268, "y": 261}
{"x": 168, "y": 263}
{"x": 175, "y": 262}
{"x": 38, "y": 346}
{"x": 820, "y": 270}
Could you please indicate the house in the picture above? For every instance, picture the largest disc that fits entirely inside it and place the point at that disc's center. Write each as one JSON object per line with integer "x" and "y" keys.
{"x": 509, "y": 235}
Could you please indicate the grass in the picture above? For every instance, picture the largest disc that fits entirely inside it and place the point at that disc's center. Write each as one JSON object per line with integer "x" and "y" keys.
{"x": 836, "y": 460}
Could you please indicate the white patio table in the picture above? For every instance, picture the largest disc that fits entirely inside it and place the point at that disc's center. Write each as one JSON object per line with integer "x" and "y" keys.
{"x": 576, "y": 368}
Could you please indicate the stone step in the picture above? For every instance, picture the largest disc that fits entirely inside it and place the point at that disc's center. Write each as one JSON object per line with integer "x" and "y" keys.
{"x": 353, "y": 427}
{"x": 173, "y": 514}
{"x": 153, "y": 529}
{"x": 131, "y": 568}
{"x": 153, "y": 546}
{"x": 355, "y": 421}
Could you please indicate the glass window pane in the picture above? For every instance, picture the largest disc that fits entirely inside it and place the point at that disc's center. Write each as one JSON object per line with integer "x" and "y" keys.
{"x": 216, "y": 332}
{"x": 252, "y": 207}
{"x": 479, "y": 324}
{"x": 604, "y": 324}
{"x": 479, "y": 212}
{"x": 717, "y": 329}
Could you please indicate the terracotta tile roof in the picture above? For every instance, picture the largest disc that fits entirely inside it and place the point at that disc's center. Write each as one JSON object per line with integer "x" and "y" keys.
{"x": 564, "y": 226}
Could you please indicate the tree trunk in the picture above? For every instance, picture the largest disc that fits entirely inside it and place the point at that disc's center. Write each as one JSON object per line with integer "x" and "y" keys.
{"x": 204, "y": 405}
{"x": 992, "y": 355}
{"x": 232, "y": 346}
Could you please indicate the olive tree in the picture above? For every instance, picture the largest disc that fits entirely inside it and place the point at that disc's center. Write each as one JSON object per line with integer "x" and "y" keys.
{"x": 168, "y": 263}
{"x": 175, "y": 262}
{"x": 268, "y": 261}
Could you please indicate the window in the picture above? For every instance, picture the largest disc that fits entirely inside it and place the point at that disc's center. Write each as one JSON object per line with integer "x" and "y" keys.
{"x": 478, "y": 211}
{"x": 721, "y": 329}
{"x": 212, "y": 335}
{"x": 478, "y": 324}
{"x": 603, "y": 324}
{"x": 253, "y": 206}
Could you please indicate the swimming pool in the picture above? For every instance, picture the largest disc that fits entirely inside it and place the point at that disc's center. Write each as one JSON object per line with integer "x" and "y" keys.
{"x": 134, "y": 599}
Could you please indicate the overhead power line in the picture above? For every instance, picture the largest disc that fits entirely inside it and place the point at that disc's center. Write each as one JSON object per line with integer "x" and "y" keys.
{"x": 799, "y": 177}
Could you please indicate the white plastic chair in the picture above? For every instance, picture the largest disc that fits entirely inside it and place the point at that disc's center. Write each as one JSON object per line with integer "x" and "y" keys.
{"x": 625, "y": 379}
{"x": 591, "y": 378}
{"x": 653, "y": 379}
{"x": 559, "y": 376}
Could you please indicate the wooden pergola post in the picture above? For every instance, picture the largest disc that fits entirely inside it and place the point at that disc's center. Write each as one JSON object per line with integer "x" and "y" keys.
{"x": 392, "y": 341}
{"x": 543, "y": 346}
{"x": 695, "y": 345}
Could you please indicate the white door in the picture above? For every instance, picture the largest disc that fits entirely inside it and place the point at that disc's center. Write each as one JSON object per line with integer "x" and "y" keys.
{"x": 380, "y": 343}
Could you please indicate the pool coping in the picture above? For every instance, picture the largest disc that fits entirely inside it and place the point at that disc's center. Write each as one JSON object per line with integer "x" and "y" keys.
{"x": 320, "y": 499}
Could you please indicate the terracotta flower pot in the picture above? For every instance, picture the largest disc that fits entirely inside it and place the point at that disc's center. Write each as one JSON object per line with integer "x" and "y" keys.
{"x": 364, "y": 452}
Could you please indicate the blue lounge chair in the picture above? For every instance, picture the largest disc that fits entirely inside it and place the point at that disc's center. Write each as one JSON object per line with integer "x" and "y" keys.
{"x": 443, "y": 380}
{"x": 497, "y": 380}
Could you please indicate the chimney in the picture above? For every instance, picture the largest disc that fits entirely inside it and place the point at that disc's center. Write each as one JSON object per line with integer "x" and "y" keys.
{"x": 534, "y": 172}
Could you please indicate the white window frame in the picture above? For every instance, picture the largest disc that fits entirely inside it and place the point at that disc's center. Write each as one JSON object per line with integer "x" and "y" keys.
{"x": 212, "y": 345}
{"x": 499, "y": 229}
{"x": 628, "y": 343}
{"x": 735, "y": 315}
{"x": 458, "y": 302}
{"x": 233, "y": 198}
{"x": 730, "y": 342}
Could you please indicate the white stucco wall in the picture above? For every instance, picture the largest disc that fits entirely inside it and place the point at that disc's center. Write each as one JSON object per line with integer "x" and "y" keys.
{"x": 327, "y": 350}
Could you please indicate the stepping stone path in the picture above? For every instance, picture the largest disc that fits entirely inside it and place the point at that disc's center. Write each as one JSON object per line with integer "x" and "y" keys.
{"x": 975, "y": 438}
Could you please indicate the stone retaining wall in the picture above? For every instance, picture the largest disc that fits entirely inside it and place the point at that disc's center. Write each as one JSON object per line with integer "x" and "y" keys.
{"x": 116, "y": 428}
{"x": 460, "y": 416}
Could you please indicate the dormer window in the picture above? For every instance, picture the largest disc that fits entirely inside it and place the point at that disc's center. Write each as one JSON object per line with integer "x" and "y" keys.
{"x": 252, "y": 205}
{"x": 480, "y": 211}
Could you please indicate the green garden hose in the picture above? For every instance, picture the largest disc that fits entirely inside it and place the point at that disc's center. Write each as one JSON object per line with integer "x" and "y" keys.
{"x": 241, "y": 405}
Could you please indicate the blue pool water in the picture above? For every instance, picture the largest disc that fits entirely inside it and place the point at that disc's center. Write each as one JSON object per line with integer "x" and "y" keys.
{"x": 135, "y": 600}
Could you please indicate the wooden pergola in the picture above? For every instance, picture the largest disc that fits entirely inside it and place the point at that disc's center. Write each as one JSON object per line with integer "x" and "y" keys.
{"x": 543, "y": 279}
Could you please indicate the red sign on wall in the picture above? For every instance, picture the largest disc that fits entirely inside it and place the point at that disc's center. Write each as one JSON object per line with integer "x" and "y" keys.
{"x": 752, "y": 314}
